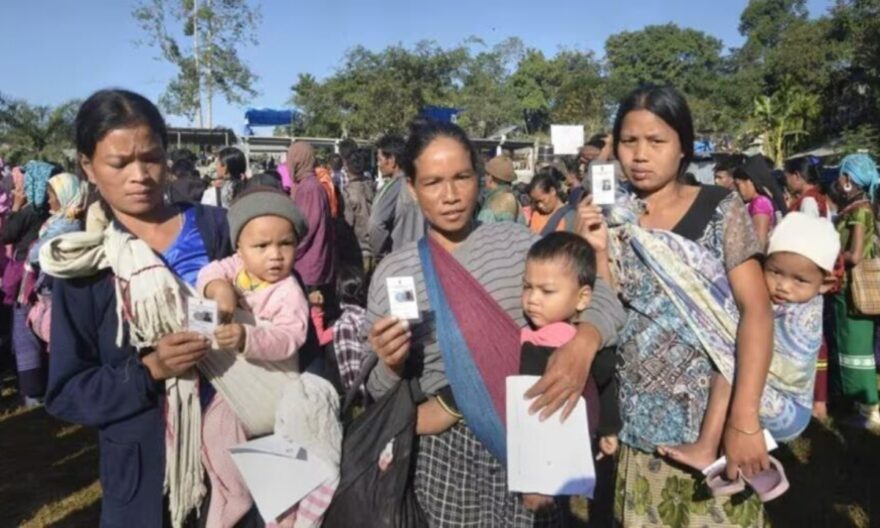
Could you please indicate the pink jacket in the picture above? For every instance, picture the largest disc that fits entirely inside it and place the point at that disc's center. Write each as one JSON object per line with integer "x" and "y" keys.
{"x": 283, "y": 304}
{"x": 285, "y": 307}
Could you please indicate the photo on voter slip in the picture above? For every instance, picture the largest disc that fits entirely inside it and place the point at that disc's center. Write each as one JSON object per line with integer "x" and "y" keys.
{"x": 201, "y": 316}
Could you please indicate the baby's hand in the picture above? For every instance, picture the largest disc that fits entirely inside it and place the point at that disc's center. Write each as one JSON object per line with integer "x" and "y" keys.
{"x": 536, "y": 503}
{"x": 608, "y": 446}
{"x": 222, "y": 292}
{"x": 230, "y": 336}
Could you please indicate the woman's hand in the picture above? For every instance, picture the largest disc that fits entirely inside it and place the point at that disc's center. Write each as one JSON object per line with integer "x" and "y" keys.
{"x": 175, "y": 354}
{"x": 566, "y": 375}
{"x": 230, "y": 336}
{"x": 538, "y": 503}
{"x": 591, "y": 225}
{"x": 745, "y": 452}
{"x": 390, "y": 338}
{"x": 222, "y": 292}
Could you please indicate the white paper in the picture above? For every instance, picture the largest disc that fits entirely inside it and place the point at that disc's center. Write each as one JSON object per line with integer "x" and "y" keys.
{"x": 402, "y": 298}
{"x": 278, "y": 473}
{"x": 549, "y": 457}
{"x": 566, "y": 139}
{"x": 201, "y": 316}
{"x": 603, "y": 182}
{"x": 722, "y": 462}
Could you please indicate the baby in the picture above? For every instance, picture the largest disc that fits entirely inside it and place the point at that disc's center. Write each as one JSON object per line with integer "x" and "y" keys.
{"x": 265, "y": 227}
{"x": 557, "y": 287}
{"x": 798, "y": 269}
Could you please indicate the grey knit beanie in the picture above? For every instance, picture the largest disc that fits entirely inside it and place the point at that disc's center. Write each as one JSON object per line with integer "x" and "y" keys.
{"x": 267, "y": 202}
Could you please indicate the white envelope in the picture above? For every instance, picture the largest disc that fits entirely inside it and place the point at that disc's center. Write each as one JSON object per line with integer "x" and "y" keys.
{"x": 549, "y": 457}
{"x": 278, "y": 473}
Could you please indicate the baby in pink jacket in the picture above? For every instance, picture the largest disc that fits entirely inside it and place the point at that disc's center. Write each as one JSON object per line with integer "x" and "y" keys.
{"x": 265, "y": 227}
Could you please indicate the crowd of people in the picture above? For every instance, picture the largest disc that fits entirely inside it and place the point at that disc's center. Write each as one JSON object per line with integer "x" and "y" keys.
{"x": 690, "y": 317}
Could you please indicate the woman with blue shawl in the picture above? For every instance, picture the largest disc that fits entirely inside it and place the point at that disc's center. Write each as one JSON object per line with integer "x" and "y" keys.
{"x": 854, "y": 332}
{"x": 29, "y": 211}
{"x": 469, "y": 282}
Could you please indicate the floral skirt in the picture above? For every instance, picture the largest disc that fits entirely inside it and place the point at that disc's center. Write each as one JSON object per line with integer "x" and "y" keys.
{"x": 652, "y": 493}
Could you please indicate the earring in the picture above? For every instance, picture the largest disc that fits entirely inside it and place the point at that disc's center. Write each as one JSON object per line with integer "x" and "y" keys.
{"x": 847, "y": 187}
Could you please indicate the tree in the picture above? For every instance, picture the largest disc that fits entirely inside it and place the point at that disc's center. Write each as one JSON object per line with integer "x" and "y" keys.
{"x": 201, "y": 38}
{"x": 685, "y": 58}
{"x": 765, "y": 22}
{"x": 485, "y": 96}
{"x": 378, "y": 92}
{"x": 38, "y": 132}
{"x": 783, "y": 119}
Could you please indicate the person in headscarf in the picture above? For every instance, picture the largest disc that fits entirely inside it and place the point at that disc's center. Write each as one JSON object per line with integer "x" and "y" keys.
{"x": 29, "y": 212}
{"x": 857, "y": 183}
{"x": 314, "y": 255}
{"x": 65, "y": 200}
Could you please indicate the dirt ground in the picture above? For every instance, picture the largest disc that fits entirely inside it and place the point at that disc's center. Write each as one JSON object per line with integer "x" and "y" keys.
{"x": 49, "y": 471}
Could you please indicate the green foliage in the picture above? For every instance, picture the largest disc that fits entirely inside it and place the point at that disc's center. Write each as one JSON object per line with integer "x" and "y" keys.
{"x": 783, "y": 119}
{"x": 29, "y": 132}
{"x": 864, "y": 137}
{"x": 201, "y": 38}
{"x": 687, "y": 59}
{"x": 377, "y": 92}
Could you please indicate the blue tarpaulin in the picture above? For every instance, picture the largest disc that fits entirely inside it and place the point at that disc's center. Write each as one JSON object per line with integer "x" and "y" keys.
{"x": 270, "y": 117}
{"x": 440, "y": 113}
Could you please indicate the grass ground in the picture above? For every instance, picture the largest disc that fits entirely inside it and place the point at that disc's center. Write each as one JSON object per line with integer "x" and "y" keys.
{"x": 49, "y": 473}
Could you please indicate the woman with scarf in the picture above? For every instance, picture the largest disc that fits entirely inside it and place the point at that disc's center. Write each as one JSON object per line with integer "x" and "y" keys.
{"x": 857, "y": 184}
{"x": 766, "y": 204}
{"x": 121, "y": 360}
{"x": 469, "y": 284}
{"x": 29, "y": 211}
{"x": 679, "y": 251}
{"x": 65, "y": 199}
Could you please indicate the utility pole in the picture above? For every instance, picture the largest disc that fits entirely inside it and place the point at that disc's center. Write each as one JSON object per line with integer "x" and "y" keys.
{"x": 196, "y": 54}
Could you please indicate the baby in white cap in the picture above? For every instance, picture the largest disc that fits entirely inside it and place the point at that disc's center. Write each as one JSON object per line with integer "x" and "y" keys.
{"x": 801, "y": 256}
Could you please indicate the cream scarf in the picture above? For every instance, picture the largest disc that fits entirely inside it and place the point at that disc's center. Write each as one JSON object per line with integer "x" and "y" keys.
{"x": 150, "y": 298}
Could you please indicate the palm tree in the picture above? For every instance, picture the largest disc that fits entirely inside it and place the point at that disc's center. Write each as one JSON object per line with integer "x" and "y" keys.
{"x": 35, "y": 131}
{"x": 783, "y": 118}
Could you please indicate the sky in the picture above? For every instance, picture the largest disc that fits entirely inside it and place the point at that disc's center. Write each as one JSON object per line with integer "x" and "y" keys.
{"x": 85, "y": 45}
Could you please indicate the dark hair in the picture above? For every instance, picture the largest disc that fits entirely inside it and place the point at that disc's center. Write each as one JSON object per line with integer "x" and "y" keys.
{"x": 265, "y": 179}
{"x": 805, "y": 167}
{"x": 184, "y": 168}
{"x": 108, "y": 110}
{"x": 669, "y": 105}
{"x": 236, "y": 165}
{"x": 690, "y": 179}
{"x": 357, "y": 163}
{"x": 571, "y": 247}
{"x": 391, "y": 145}
{"x": 350, "y": 286}
{"x": 183, "y": 154}
{"x": 423, "y": 133}
{"x": 572, "y": 163}
{"x": 547, "y": 178}
{"x": 597, "y": 141}
{"x": 728, "y": 163}
{"x": 346, "y": 147}
{"x": 234, "y": 161}
{"x": 336, "y": 162}
{"x": 758, "y": 171}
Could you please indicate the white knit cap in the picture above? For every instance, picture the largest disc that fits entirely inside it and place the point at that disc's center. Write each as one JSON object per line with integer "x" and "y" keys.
{"x": 807, "y": 236}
